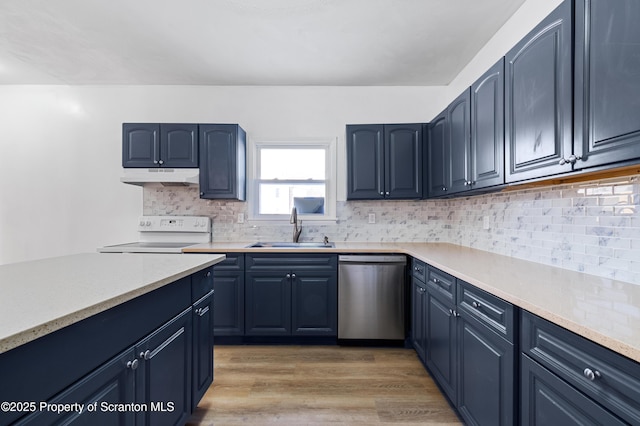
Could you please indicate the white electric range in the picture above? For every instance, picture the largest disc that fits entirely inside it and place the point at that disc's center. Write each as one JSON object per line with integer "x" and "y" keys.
{"x": 166, "y": 234}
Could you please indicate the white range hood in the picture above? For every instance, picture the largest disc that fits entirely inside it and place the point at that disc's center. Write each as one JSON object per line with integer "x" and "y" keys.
{"x": 165, "y": 176}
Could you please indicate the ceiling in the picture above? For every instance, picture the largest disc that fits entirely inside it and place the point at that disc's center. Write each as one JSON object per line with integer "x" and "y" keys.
{"x": 244, "y": 42}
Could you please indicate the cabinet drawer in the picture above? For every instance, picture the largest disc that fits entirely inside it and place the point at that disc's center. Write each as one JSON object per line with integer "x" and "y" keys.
{"x": 546, "y": 399}
{"x": 442, "y": 283}
{"x": 419, "y": 270}
{"x": 488, "y": 309}
{"x": 609, "y": 378}
{"x": 290, "y": 262}
{"x": 201, "y": 284}
{"x": 233, "y": 263}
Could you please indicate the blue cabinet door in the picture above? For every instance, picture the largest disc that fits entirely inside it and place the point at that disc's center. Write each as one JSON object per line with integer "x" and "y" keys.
{"x": 419, "y": 318}
{"x": 228, "y": 312}
{"x": 548, "y": 400}
{"x": 179, "y": 145}
{"x": 140, "y": 145}
{"x": 486, "y": 375}
{"x": 112, "y": 383}
{"x": 607, "y": 82}
{"x": 403, "y": 161}
{"x": 487, "y": 128}
{"x": 365, "y": 162}
{"x": 443, "y": 343}
{"x": 222, "y": 161}
{"x": 459, "y": 141}
{"x": 314, "y": 307}
{"x": 202, "y": 348}
{"x": 538, "y": 99}
{"x": 268, "y": 303}
{"x": 165, "y": 374}
{"x": 439, "y": 168}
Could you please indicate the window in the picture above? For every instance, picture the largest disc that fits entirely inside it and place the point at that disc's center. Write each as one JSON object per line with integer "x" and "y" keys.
{"x": 291, "y": 174}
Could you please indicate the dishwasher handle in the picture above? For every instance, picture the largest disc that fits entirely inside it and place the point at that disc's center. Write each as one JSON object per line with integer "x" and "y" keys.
{"x": 382, "y": 258}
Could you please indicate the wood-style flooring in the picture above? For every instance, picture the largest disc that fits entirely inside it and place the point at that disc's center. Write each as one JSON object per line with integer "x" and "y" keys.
{"x": 314, "y": 385}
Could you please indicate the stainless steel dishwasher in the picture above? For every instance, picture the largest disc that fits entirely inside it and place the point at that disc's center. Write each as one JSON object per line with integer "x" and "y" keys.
{"x": 371, "y": 297}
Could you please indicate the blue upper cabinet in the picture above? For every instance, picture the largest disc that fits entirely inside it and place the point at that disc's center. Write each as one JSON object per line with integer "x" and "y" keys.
{"x": 487, "y": 128}
{"x": 607, "y": 82}
{"x": 459, "y": 117}
{"x": 365, "y": 162}
{"x": 438, "y": 166}
{"x": 222, "y": 161}
{"x": 403, "y": 161}
{"x": 140, "y": 144}
{"x": 384, "y": 161}
{"x": 538, "y": 99}
{"x": 179, "y": 145}
{"x": 159, "y": 145}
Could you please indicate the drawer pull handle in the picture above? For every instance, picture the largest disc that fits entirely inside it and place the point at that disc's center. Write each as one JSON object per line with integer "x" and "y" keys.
{"x": 476, "y": 304}
{"x": 591, "y": 374}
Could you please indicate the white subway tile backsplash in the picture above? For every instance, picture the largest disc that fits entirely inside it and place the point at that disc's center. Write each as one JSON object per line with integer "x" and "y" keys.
{"x": 591, "y": 227}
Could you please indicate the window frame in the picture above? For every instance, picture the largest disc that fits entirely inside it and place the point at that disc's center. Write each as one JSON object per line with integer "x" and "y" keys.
{"x": 253, "y": 191}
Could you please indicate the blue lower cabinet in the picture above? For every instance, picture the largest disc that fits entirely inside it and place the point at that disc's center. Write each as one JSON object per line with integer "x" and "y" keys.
{"x": 228, "y": 304}
{"x": 486, "y": 374}
{"x": 164, "y": 373}
{"x": 466, "y": 337}
{"x": 568, "y": 378}
{"x": 268, "y": 304}
{"x": 97, "y": 394}
{"x": 292, "y": 295}
{"x": 157, "y": 379}
{"x": 442, "y": 332}
{"x": 314, "y": 310}
{"x": 202, "y": 348}
{"x": 548, "y": 400}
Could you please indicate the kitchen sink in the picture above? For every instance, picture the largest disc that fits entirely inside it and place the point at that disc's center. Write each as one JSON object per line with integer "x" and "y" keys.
{"x": 285, "y": 244}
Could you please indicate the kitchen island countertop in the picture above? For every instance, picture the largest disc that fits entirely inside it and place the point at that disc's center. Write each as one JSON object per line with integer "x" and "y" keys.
{"x": 603, "y": 310}
{"x": 42, "y": 296}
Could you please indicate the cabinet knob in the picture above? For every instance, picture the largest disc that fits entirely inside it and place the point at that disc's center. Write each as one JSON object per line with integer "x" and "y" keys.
{"x": 288, "y": 275}
{"x": 155, "y": 161}
{"x": 435, "y": 280}
{"x": 145, "y": 355}
{"x": 293, "y": 275}
{"x": 444, "y": 188}
{"x": 475, "y": 304}
{"x": 591, "y": 374}
{"x": 161, "y": 162}
{"x": 382, "y": 193}
{"x": 133, "y": 364}
{"x": 208, "y": 274}
{"x": 571, "y": 160}
{"x": 201, "y": 311}
{"x": 387, "y": 193}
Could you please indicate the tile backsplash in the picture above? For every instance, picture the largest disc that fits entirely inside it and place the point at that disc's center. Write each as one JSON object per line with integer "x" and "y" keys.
{"x": 592, "y": 227}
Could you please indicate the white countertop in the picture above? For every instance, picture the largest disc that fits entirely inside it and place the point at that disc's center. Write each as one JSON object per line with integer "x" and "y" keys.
{"x": 603, "y": 310}
{"x": 39, "y": 297}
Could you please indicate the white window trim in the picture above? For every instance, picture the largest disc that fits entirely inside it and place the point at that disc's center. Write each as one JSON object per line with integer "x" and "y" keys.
{"x": 327, "y": 143}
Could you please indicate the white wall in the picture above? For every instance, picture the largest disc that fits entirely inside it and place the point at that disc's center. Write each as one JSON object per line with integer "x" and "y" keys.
{"x": 61, "y": 148}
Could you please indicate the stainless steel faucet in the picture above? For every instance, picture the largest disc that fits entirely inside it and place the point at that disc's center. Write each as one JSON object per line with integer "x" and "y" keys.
{"x": 294, "y": 220}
